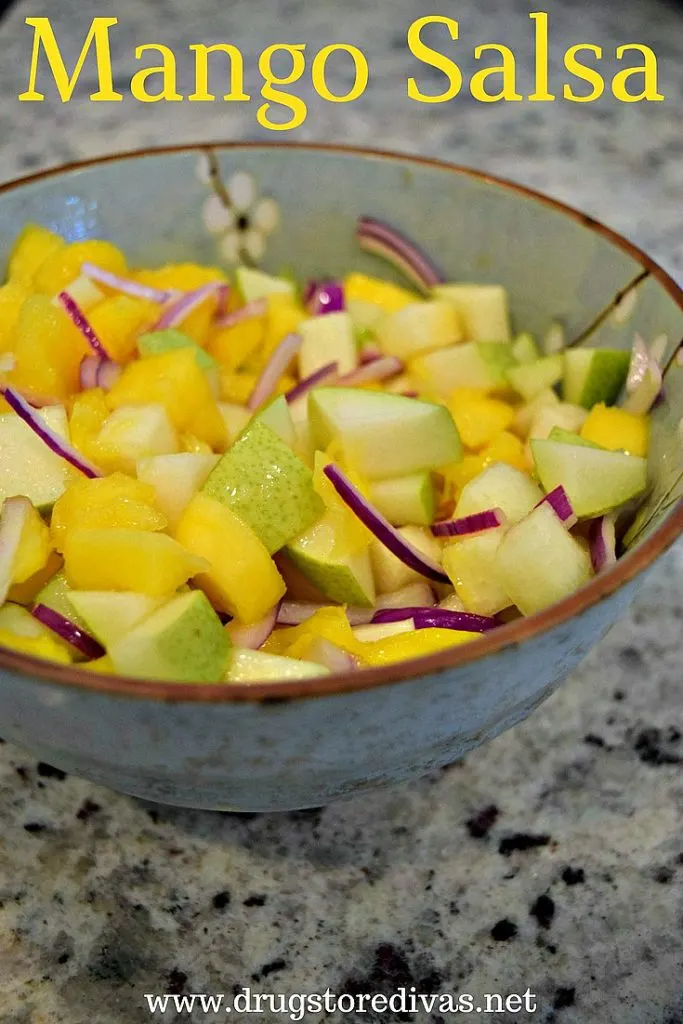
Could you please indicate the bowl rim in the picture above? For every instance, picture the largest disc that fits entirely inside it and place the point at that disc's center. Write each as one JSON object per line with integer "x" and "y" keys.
{"x": 509, "y": 635}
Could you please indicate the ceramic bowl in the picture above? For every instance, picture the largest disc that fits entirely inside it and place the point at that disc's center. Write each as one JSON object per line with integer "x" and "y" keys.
{"x": 279, "y": 746}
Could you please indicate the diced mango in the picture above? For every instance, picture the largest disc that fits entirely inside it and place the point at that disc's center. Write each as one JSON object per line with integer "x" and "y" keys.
{"x": 329, "y": 623}
{"x": 389, "y": 297}
{"x": 48, "y": 350}
{"x": 116, "y": 501}
{"x": 175, "y": 380}
{"x": 506, "y": 447}
{"x": 35, "y": 547}
{"x": 12, "y": 297}
{"x": 186, "y": 277}
{"x": 233, "y": 347}
{"x": 26, "y": 593}
{"x": 37, "y": 646}
{"x": 192, "y": 444}
{"x": 457, "y": 474}
{"x": 242, "y": 578}
{"x": 237, "y": 387}
{"x": 119, "y": 559}
{"x": 119, "y": 320}
{"x": 33, "y": 246}
{"x": 617, "y": 430}
{"x": 285, "y": 313}
{"x": 63, "y": 265}
{"x": 89, "y": 410}
{"x": 479, "y": 418}
{"x": 413, "y": 645}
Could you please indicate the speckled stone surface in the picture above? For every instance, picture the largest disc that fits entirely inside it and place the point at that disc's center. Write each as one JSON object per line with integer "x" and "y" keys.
{"x": 551, "y": 859}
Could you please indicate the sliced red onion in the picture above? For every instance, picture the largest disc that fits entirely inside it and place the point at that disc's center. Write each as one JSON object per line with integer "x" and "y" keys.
{"x": 381, "y": 239}
{"x": 410, "y": 394}
{"x": 438, "y": 618}
{"x": 12, "y": 519}
{"x": 640, "y": 360}
{"x": 76, "y": 314}
{"x": 181, "y": 307}
{"x": 382, "y": 528}
{"x": 274, "y": 369}
{"x": 602, "y": 540}
{"x": 68, "y": 631}
{"x": 369, "y": 352}
{"x": 327, "y": 654}
{"x": 222, "y": 298}
{"x": 128, "y": 286}
{"x": 253, "y": 636}
{"x": 98, "y": 373}
{"x": 293, "y": 613}
{"x": 312, "y": 381}
{"x": 259, "y": 307}
{"x": 88, "y": 372}
{"x": 321, "y": 297}
{"x": 54, "y": 441}
{"x": 414, "y": 595}
{"x": 558, "y": 499}
{"x": 490, "y": 519}
{"x": 376, "y": 369}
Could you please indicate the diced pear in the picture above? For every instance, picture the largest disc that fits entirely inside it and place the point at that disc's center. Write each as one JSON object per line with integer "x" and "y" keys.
{"x": 383, "y": 435}
{"x": 525, "y": 414}
{"x": 110, "y": 614}
{"x": 235, "y": 418}
{"x": 471, "y": 364}
{"x": 381, "y": 630}
{"x": 267, "y": 485}
{"x": 419, "y": 327}
{"x": 390, "y": 572}
{"x": 483, "y": 309}
{"x": 570, "y": 437}
{"x": 593, "y": 375}
{"x": 255, "y": 284}
{"x": 156, "y": 342}
{"x": 565, "y": 416}
{"x": 596, "y": 480}
{"x": 539, "y": 562}
{"x": 56, "y": 595}
{"x": 327, "y": 339}
{"x": 248, "y": 666}
{"x": 525, "y": 349}
{"x": 499, "y": 486}
{"x": 277, "y": 415}
{"x": 183, "y": 641}
{"x": 28, "y": 466}
{"x": 470, "y": 563}
{"x": 16, "y": 619}
{"x": 176, "y": 479}
{"x": 530, "y": 379}
{"x": 135, "y": 432}
{"x": 239, "y": 575}
{"x": 406, "y": 499}
{"x": 341, "y": 574}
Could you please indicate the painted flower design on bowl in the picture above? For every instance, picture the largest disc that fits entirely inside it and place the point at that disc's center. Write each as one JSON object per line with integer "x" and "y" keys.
{"x": 235, "y": 212}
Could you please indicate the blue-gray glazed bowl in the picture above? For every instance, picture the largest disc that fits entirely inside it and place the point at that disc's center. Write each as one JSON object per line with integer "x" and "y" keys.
{"x": 277, "y": 746}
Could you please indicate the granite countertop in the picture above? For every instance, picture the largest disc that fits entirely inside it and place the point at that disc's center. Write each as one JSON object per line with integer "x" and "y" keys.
{"x": 551, "y": 859}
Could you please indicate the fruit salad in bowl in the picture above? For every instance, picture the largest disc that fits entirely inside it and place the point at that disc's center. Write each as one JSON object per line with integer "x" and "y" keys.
{"x": 229, "y": 476}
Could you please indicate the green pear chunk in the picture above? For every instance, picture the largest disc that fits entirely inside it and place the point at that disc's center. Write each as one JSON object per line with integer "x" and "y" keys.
{"x": 525, "y": 349}
{"x": 156, "y": 342}
{"x": 327, "y": 339}
{"x": 483, "y": 309}
{"x": 470, "y": 563}
{"x": 539, "y": 562}
{"x": 183, "y": 642}
{"x": 593, "y": 375}
{"x": 406, "y": 499}
{"x": 596, "y": 480}
{"x": 176, "y": 479}
{"x": 265, "y": 484}
{"x": 235, "y": 418}
{"x": 530, "y": 379}
{"x": 56, "y": 595}
{"x": 109, "y": 614}
{"x": 419, "y": 327}
{"x": 383, "y": 435}
{"x": 499, "y": 486}
{"x": 341, "y": 575}
{"x": 570, "y": 437}
{"x": 28, "y": 466}
{"x": 473, "y": 364}
{"x": 248, "y": 666}
{"x": 255, "y": 284}
{"x": 276, "y": 415}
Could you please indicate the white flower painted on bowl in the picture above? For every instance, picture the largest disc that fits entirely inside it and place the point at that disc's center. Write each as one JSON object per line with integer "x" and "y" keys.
{"x": 240, "y": 219}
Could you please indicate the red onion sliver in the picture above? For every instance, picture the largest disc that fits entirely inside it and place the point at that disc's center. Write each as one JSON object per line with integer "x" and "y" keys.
{"x": 602, "y": 540}
{"x": 88, "y": 372}
{"x": 382, "y": 528}
{"x": 327, "y": 654}
{"x": 381, "y": 239}
{"x": 414, "y": 595}
{"x": 640, "y": 359}
{"x": 181, "y": 307}
{"x": 76, "y": 314}
{"x": 369, "y": 352}
{"x": 490, "y": 519}
{"x": 324, "y": 297}
{"x": 376, "y": 369}
{"x": 312, "y": 381}
{"x": 293, "y": 613}
{"x": 54, "y": 441}
{"x": 438, "y": 618}
{"x": 259, "y": 307}
{"x": 558, "y": 499}
{"x": 68, "y": 631}
{"x": 12, "y": 519}
{"x": 646, "y": 392}
{"x": 274, "y": 369}
{"x": 129, "y": 286}
{"x": 253, "y": 636}
{"x": 108, "y": 372}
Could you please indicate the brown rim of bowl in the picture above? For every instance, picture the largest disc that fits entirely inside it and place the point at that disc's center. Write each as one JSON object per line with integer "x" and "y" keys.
{"x": 509, "y": 635}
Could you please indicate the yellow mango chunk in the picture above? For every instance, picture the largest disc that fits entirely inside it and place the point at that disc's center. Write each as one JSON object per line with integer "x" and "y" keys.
{"x": 506, "y": 447}
{"x": 233, "y": 347}
{"x": 119, "y": 320}
{"x": 26, "y": 592}
{"x": 186, "y": 277}
{"x": 389, "y": 297}
{"x": 119, "y": 559}
{"x": 237, "y": 387}
{"x": 35, "y": 548}
{"x": 329, "y": 623}
{"x": 89, "y": 410}
{"x": 48, "y": 350}
{"x": 285, "y": 313}
{"x": 479, "y": 418}
{"x": 63, "y": 265}
{"x": 104, "y": 666}
{"x": 617, "y": 430}
{"x": 242, "y": 579}
{"x": 12, "y": 297}
{"x": 36, "y": 646}
{"x": 175, "y": 380}
{"x": 32, "y": 247}
{"x": 116, "y": 501}
{"x": 402, "y": 646}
